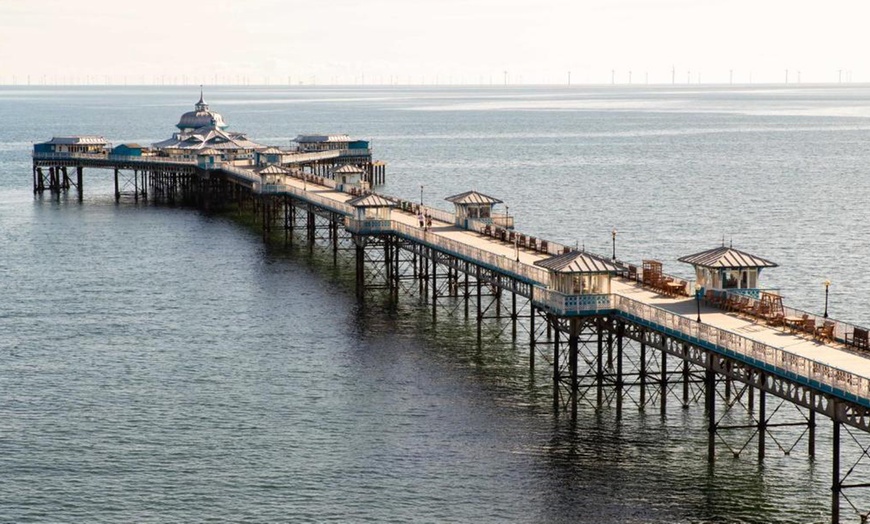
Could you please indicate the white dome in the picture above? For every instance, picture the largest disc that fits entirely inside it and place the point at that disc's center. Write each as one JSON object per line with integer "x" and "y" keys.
{"x": 201, "y": 116}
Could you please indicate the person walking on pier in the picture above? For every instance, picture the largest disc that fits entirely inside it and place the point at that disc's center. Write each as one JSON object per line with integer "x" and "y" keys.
{"x": 428, "y": 221}
{"x": 420, "y": 219}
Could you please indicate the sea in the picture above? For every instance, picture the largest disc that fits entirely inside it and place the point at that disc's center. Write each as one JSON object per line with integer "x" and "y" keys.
{"x": 164, "y": 364}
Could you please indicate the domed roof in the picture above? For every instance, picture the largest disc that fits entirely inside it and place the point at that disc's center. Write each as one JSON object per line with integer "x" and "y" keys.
{"x": 201, "y": 116}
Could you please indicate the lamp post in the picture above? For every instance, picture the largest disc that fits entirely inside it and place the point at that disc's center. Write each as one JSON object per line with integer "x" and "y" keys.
{"x": 613, "y": 235}
{"x": 698, "y": 300}
{"x": 827, "y": 285}
{"x": 421, "y": 196}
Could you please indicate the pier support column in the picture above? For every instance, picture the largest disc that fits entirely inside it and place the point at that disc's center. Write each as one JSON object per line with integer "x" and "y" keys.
{"x": 434, "y": 289}
{"x": 360, "y": 268}
{"x": 556, "y": 374}
{"x": 334, "y": 226}
{"x": 710, "y": 401}
{"x": 811, "y": 445}
{"x": 532, "y": 348}
{"x": 574, "y": 350}
{"x": 599, "y": 362}
{"x": 513, "y": 316}
{"x": 685, "y": 379}
{"x": 751, "y": 401}
{"x": 762, "y": 422}
{"x": 465, "y": 293}
{"x": 117, "y": 188}
{"x": 311, "y": 224}
{"x": 835, "y": 473}
{"x": 609, "y": 350}
{"x": 663, "y": 386}
{"x": 479, "y": 309}
{"x": 620, "y": 327}
{"x": 643, "y": 370}
{"x": 79, "y": 182}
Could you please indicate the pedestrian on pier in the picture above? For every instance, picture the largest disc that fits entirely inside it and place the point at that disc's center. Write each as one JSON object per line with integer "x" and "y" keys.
{"x": 420, "y": 219}
{"x": 428, "y": 221}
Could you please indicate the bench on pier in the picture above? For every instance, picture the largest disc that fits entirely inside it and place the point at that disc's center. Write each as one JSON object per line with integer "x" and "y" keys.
{"x": 544, "y": 246}
{"x": 858, "y": 338}
{"x": 825, "y": 332}
{"x": 714, "y": 298}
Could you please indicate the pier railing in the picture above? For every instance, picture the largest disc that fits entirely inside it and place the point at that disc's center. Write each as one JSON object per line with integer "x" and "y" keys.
{"x": 561, "y": 303}
{"x": 785, "y": 363}
{"x": 114, "y": 158}
{"x": 532, "y": 274}
{"x": 307, "y": 196}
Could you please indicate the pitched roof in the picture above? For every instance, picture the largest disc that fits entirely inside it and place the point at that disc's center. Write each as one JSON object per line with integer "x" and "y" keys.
{"x": 349, "y": 169}
{"x": 726, "y": 258}
{"x": 271, "y": 150}
{"x": 272, "y": 169}
{"x": 577, "y": 262}
{"x": 472, "y": 197}
{"x": 370, "y": 200}
{"x": 77, "y": 140}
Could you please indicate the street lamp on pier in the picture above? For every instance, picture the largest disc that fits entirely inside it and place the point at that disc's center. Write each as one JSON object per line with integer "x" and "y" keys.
{"x": 827, "y": 285}
{"x": 421, "y": 196}
{"x": 613, "y": 235}
{"x": 698, "y": 300}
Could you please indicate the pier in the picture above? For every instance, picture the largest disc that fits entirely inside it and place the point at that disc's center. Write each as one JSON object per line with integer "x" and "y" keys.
{"x": 612, "y": 333}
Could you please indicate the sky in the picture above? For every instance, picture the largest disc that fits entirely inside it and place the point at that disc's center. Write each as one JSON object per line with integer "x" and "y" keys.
{"x": 428, "y": 41}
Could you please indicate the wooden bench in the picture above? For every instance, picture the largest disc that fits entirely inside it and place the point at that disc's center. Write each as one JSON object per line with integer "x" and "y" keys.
{"x": 544, "y": 246}
{"x": 858, "y": 338}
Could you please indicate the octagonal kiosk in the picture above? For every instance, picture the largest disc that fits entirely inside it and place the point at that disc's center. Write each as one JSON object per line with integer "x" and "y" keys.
{"x": 579, "y": 282}
{"x": 727, "y": 277}
{"x": 272, "y": 177}
{"x": 472, "y": 206}
{"x": 349, "y": 176}
{"x": 371, "y": 214}
{"x": 726, "y": 268}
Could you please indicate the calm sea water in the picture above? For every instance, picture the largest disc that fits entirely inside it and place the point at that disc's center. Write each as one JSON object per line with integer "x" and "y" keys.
{"x": 161, "y": 364}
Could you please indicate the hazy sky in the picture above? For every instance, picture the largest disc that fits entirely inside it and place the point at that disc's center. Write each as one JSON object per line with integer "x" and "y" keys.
{"x": 469, "y": 41}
